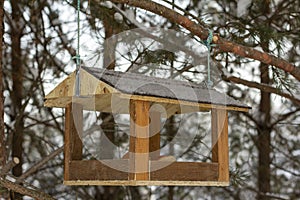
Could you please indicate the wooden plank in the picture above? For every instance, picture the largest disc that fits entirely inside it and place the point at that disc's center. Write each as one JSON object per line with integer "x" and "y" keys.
{"x": 184, "y": 171}
{"x": 67, "y": 139}
{"x": 139, "y": 139}
{"x": 214, "y": 135}
{"x": 91, "y": 86}
{"x": 63, "y": 89}
{"x": 57, "y": 102}
{"x": 72, "y": 141}
{"x": 220, "y": 153}
{"x": 86, "y": 170}
{"x": 196, "y": 105}
{"x": 132, "y": 142}
{"x": 148, "y": 183}
{"x": 76, "y": 131}
{"x": 102, "y": 102}
{"x": 154, "y": 134}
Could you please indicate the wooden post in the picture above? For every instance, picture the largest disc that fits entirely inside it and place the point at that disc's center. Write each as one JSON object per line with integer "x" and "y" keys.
{"x": 139, "y": 140}
{"x": 220, "y": 154}
{"x": 73, "y": 131}
{"x": 155, "y": 126}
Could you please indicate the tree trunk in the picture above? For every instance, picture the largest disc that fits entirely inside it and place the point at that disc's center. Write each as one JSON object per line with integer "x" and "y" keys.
{"x": 2, "y": 135}
{"x": 4, "y": 194}
{"x": 264, "y": 131}
{"x": 264, "y": 139}
{"x": 17, "y": 87}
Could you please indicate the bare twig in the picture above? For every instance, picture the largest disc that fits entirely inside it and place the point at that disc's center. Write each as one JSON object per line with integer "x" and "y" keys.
{"x": 252, "y": 84}
{"x": 38, "y": 165}
{"x": 262, "y": 87}
{"x": 284, "y": 117}
{"x": 24, "y": 190}
{"x": 5, "y": 169}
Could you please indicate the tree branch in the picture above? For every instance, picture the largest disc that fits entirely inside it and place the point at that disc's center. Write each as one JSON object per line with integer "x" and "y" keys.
{"x": 262, "y": 87}
{"x": 38, "y": 165}
{"x": 284, "y": 117}
{"x": 25, "y": 191}
{"x": 222, "y": 44}
{"x": 5, "y": 169}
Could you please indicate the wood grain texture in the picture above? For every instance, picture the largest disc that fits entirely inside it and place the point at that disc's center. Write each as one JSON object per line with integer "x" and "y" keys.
{"x": 220, "y": 152}
{"x": 95, "y": 170}
{"x": 67, "y": 142}
{"x": 139, "y": 139}
{"x": 76, "y": 131}
{"x": 186, "y": 106}
{"x": 72, "y": 141}
{"x": 184, "y": 171}
{"x": 102, "y": 102}
{"x": 214, "y": 135}
{"x": 148, "y": 183}
{"x": 154, "y": 134}
{"x": 89, "y": 86}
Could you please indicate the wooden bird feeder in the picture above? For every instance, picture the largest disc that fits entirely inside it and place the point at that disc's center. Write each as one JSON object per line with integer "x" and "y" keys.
{"x": 135, "y": 94}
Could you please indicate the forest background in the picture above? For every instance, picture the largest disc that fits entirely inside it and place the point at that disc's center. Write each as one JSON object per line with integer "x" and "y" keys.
{"x": 256, "y": 54}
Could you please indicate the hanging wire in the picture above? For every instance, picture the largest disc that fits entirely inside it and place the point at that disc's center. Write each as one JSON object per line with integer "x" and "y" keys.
{"x": 77, "y": 57}
{"x": 208, "y": 44}
{"x": 78, "y": 34}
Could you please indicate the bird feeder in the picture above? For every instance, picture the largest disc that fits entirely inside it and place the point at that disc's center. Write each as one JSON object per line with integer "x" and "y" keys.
{"x": 135, "y": 94}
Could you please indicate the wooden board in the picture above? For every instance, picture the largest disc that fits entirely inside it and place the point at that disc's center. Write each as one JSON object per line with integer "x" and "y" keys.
{"x": 148, "y": 183}
{"x": 72, "y": 138}
{"x": 220, "y": 153}
{"x": 76, "y": 131}
{"x": 67, "y": 142}
{"x": 89, "y": 87}
{"x": 95, "y": 170}
{"x": 188, "y": 105}
{"x": 119, "y": 103}
{"x": 154, "y": 134}
{"x": 184, "y": 171}
{"x": 139, "y": 140}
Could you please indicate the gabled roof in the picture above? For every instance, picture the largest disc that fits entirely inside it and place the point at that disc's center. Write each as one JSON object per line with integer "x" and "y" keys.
{"x": 138, "y": 84}
{"x": 95, "y": 82}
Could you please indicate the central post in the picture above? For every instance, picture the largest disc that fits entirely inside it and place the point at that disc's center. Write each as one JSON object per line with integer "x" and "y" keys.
{"x": 139, "y": 140}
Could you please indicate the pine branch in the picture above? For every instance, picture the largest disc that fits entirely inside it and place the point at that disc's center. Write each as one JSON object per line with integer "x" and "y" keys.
{"x": 222, "y": 44}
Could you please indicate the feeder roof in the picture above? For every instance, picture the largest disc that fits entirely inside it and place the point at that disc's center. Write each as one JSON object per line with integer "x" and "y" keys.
{"x": 114, "y": 86}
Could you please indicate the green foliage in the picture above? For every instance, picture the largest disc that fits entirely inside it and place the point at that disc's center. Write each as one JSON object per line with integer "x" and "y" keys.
{"x": 239, "y": 177}
{"x": 159, "y": 56}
